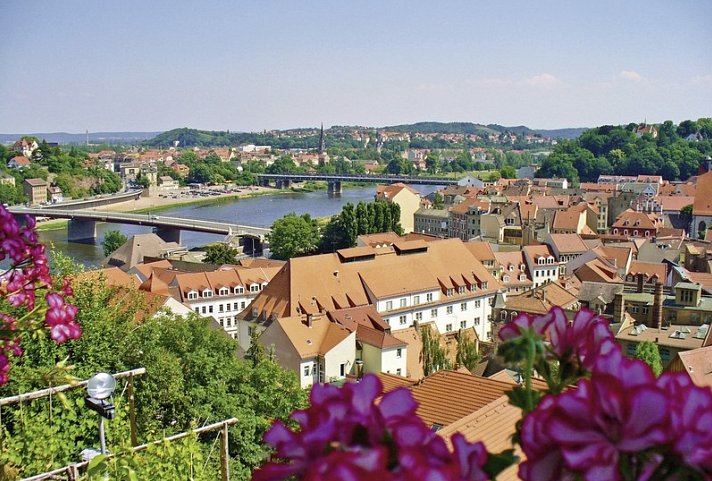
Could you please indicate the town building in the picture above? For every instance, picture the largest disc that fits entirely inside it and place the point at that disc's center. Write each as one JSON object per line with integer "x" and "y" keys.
{"x": 431, "y": 221}
{"x": 35, "y": 190}
{"x": 407, "y": 198}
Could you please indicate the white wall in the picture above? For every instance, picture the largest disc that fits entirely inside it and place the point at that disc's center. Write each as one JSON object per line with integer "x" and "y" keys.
{"x": 342, "y": 353}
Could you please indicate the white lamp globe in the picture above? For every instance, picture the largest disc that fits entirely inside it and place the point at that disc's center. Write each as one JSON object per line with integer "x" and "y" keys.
{"x": 101, "y": 386}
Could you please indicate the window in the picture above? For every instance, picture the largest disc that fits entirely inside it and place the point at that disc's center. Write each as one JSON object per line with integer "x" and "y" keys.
{"x": 227, "y": 307}
{"x": 473, "y": 287}
{"x": 463, "y": 306}
{"x": 399, "y": 353}
{"x": 197, "y": 310}
{"x": 416, "y": 300}
{"x": 433, "y": 313}
{"x": 505, "y": 279}
{"x": 634, "y": 309}
{"x": 192, "y": 295}
{"x": 210, "y": 309}
{"x": 242, "y": 305}
{"x": 207, "y": 293}
{"x": 429, "y": 297}
{"x": 448, "y": 310}
{"x": 477, "y": 321}
{"x": 223, "y": 291}
{"x": 342, "y": 370}
{"x": 645, "y": 310}
{"x": 478, "y": 303}
{"x": 418, "y": 316}
{"x": 461, "y": 290}
{"x": 450, "y": 292}
{"x": 254, "y": 288}
{"x": 503, "y": 315}
{"x": 239, "y": 290}
{"x": 448, "y": 327}
{"x": 404, "y": 302}
{"x": 203, "y": 309}
{"x": 463, "y": 324}
{"x": 306, "y": 370}
{"x": 401, "y": 320}
{"x": 389, "y": 305}
{"x": 484, "y": 285}
{"x": 399, "y": 371}
{"x": 220, "y": 308}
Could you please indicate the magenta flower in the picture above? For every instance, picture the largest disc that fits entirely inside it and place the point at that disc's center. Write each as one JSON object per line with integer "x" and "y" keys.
{"x": 524, "y": 322}
{"x": 346, "y": 435}
{"x": 591, "y": 426}
{"x": 582, "y": 339}
{"x": 689, "y": 420}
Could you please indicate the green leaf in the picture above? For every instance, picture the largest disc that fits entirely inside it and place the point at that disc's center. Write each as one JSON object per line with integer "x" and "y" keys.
{"x": 496, "y": 463}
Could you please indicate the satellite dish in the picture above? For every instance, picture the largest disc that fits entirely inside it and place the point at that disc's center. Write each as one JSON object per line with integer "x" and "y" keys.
{"x": 101, "y": 386}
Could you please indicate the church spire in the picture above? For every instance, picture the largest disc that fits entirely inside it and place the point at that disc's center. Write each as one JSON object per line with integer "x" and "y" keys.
{"x": 321, "y": 139}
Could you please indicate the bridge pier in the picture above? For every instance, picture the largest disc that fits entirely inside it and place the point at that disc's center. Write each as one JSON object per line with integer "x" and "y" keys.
{"x": 284, "y": 184}
{"x": 81, "y": 230}
{"x": 334, "y": 188}
{"x": 168, "y": 234}
{"x": 251, "y": 246}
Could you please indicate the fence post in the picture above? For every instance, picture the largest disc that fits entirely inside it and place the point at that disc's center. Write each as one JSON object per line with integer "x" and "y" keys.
{"x": 224, "y": 466}
{"x": 132, "y": 411}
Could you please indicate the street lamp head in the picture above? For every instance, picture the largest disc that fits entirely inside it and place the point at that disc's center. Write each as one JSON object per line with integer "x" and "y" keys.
{"x": 101, "y": 386}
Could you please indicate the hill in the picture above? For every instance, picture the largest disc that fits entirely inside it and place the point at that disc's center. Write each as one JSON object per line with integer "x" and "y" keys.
{"x": 94, "y": 137}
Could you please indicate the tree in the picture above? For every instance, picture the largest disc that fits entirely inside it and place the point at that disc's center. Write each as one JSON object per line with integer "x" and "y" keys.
{"x": 293, "y": 235}
{"x": 648, "y": 352}
{"x": 467, "y": 355}
{"x": 256, "y": 352}
{"x": 220, "y": 253}
{"x": 438, "y": 201}
{"x": 113, "y": 239}
{"x": 508, "y": 172}
{"x": 432, "y": 354}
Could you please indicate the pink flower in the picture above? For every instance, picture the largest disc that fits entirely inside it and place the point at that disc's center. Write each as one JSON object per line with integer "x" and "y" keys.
{"x": 523, "y": 322}
{"x": 591, "y": 426}
{"x": 345, "y": 435}
{"x": 689, "y": 420}
{"x": 582, "y": 339}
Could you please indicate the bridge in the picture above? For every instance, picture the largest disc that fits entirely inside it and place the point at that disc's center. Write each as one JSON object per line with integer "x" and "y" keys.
{"x": 96, "y": 201}
{"x": 82, "y": 224}
{"x": 334, "y": 180}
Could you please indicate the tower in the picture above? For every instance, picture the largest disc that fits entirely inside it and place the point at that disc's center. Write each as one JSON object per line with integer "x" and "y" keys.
{"x": 321, "y": 139}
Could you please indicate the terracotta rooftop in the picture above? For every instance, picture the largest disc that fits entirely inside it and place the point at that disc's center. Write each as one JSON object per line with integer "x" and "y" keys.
{"x": 436, "y": 393}
{"x": 697, "y": 363}
{"x": 541, "y": 299}
{"x": 650, "y": 270}
{"x": 568, "y": 243}
{"x": 393, "y": 381}
{"x": 494, "y": 424}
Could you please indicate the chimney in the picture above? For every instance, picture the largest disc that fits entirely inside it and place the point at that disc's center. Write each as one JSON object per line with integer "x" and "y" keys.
{"x": 308, "y": 320}
{"x": 640, "y": 279}
{"x": 336, "y": 274}
{"x": 618, "y": 308}
{"x": 658, "y": 305}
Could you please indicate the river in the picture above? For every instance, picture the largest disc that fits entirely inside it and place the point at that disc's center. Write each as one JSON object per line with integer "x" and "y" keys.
{"x": 256, "y": 211}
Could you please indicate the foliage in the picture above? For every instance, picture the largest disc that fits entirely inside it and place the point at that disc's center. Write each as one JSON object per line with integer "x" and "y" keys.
{"x": 438, "y": 201}
{"x": 113, "y": 239}
{"x": 648, "y": 352}
{"x": 365, "y": 218}
{"x": 220, "y": 253}
{"x": 28, "y": 303}
{"x": 467, "y": 355}
{"x": 618, "y": 150}
{"x": 293, "y": 235}
{"x": 433, "y": 355}
{"x": 507, "y": 172}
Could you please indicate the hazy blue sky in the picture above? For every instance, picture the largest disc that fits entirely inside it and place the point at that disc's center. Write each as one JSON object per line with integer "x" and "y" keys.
{"x": 72, "y": 65}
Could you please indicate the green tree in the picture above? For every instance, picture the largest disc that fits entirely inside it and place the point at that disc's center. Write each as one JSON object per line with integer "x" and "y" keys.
{"x": 293, "y": 235}
{"x": 256, "y": 352}
{"x": 432, "y": 355}
{"x": 333, "y": 236}
{"x": 467, "y": 355}
{"x": 220, "y": 253}
{"x": 113, "y": 239}
{"x": 508, "y": 172}
{"x": 438, "y": 201}
{"x": 648, "y": 352}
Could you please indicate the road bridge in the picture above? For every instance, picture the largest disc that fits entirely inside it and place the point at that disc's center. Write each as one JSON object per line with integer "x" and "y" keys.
{"x": 334, "y": 181}
{"x": 82, "y": 224}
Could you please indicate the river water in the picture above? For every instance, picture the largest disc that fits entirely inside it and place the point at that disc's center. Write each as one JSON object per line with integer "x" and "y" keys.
{"x": 256, "y": 211}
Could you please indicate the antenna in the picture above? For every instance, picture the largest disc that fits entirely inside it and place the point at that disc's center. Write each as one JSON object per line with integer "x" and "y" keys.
{"x": 87, "y": 132}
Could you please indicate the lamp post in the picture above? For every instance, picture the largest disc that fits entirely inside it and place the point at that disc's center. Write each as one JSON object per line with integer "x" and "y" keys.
{"x": 99, "y": 389}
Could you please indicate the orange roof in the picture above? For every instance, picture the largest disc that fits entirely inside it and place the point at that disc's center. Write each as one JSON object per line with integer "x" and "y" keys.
{"x": 436, "y": 393}
{"x": 319, "y": 339}
{"x": 112, "y": 276}
{"x": 630, "y": 219}
{"x": 481, "y": 250}
{"x": 494, "y": 425}
{"x": 675, "y": 202}
{"x": 697, "y": 363}
{"x": 393, "y": 381}
{"x": 568, "y": 243}
{"x": 392, "y": 190}
{"x": 598, "y": 270}
{"x": 541, "y": 299}
{"x": 649, "y": 270}
{"x": 703, "y": 199}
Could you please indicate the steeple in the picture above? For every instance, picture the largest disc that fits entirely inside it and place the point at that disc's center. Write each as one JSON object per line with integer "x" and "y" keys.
{"x": 321, "y": 139}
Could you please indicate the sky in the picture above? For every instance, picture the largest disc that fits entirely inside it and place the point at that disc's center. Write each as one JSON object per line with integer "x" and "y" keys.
{"x": 138, "y": 65}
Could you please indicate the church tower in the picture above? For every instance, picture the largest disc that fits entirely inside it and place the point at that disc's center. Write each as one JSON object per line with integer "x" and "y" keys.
{"x": 323, "y": 156}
